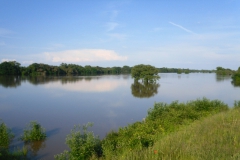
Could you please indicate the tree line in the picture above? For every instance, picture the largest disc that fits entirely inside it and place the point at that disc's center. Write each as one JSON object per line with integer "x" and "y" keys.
{"x": 15, "y": 68}
{"x": 183, "y": 70}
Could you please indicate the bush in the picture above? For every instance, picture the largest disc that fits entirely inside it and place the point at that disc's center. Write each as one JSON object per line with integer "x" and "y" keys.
{"x": 161, "y": 120}
{"x": 5, "y": 135}
{"x": 33, "y": 132}
{"x": 82, "y": 143}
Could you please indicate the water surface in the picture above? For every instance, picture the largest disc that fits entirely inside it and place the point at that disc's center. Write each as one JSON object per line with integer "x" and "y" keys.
{"x": 109, "y": 101}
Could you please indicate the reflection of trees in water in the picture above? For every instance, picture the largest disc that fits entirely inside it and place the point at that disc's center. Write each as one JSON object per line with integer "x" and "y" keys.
{"x": 34, "y": 147}
{"x": 15, "y": 81}
{"x": 10, "y": 81}
{"x": 144, "y": 90}
{"x": 235, "y": 84}
{"x": 126, "y": 76}
{"x": 220, "y": 78}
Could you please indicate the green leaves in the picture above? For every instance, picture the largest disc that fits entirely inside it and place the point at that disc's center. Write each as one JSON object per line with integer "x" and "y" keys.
{"x": 5, "y": 135}
{"x": 33, "y": 132}
{"x": 82, "y": 143}
{"x": 146, "y": 73}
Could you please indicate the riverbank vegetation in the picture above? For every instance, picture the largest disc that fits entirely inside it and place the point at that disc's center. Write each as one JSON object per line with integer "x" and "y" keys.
{"x": 224, "y": 71}
{"x": 32, "y": 134}
{"x": 34, "y": 69}
{"x": 15, "y": 68}
{"x": 198, "y": 129}
{"x": 169, "y": 131}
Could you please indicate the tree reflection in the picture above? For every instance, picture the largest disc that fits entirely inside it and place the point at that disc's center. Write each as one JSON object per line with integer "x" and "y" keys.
{"x": 10, "y": 81}
{"x": 34, "y": 147}
{"x": 220, "y": 78}
{"x": 235, "y": 84}
{"x": 144, "y": 90}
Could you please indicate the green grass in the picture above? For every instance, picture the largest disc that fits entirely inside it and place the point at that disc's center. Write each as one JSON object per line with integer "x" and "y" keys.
{"x": 161, "y": 120}
{"x": 215, "y": 137}
{"x": 170, "y": 131}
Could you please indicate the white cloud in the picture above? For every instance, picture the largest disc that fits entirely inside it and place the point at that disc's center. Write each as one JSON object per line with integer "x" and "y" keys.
{"x": 117, "y": 36}
{"x": 7, "y": 60}
{"x": 190, "y": 56}
{"x": 84, "y": 55}
{"x": 111, "y": 26}
{"x": 27, "y": 62}
{"x": 100, "y": 85}
{"x": 181, "y": 27}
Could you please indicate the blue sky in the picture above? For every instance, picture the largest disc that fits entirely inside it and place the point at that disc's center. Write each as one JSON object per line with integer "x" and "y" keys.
{"x": 196, "y": 34}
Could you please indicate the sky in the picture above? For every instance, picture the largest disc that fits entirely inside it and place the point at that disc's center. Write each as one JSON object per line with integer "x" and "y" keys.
{"x": 194, "y": 34}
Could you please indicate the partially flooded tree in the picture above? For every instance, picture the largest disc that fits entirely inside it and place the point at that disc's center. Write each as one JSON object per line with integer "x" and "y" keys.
{"x": 146, "y": 73}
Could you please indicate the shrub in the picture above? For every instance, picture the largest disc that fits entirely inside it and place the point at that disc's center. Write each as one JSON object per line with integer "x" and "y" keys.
{"x": 82, "y": 143}
{"x": 33, "y": 132}
{"x": 161, "y": 120}
{"x": 5, "y": 135}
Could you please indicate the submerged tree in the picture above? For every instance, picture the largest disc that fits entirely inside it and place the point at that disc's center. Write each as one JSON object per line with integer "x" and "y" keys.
{"x": 146, "y": 73}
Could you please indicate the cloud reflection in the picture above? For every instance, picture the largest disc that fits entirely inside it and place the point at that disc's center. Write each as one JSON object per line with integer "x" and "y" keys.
{"x": 103, "y": 85}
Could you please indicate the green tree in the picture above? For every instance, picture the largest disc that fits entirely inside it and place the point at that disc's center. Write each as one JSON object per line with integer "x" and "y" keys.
{"x": 10, "y": 68}
{"x": 146, "y": 73}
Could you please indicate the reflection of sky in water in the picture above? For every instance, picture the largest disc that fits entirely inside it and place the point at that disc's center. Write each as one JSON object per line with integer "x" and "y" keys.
{"x": 100, "y": 85}
{"x": 106, "y": 101}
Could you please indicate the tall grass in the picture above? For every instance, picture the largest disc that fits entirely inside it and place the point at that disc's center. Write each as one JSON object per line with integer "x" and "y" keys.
{"x": 161, "y": 120}
{"x": 215, "y": 137}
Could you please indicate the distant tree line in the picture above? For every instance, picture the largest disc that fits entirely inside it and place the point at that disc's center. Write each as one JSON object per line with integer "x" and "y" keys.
{"x": 15, "y": 68}
{"x": 182, "y": 70}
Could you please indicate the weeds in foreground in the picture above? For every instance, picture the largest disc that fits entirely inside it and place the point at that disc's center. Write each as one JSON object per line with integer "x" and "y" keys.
{"x": 6, "y": 135}
{"x": 215, "y": 137}
{"x": 82, "y": 143}
{"x": 33, "y": 132}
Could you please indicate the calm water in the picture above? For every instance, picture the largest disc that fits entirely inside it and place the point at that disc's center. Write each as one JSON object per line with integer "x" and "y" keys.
{"x": 112, "y": 101}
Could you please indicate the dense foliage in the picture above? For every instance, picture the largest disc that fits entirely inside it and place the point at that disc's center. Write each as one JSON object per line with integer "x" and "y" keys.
{"x": 82, "y": 143}
{"x": 33, "y": 132}
{"x": 183, "y": 70}
{"x": 5, "y": 135}
{"x": 14, "y": 68}
{"x": 224, "y": 71}
{"x": 10, "y": 68}
{"x": 146, "y": 73}
{"x": 162, "y": 120}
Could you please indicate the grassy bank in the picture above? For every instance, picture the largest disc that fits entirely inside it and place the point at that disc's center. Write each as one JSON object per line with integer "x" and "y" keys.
{"x": 199, "y": 129}
{"x": 214, "y": 137}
